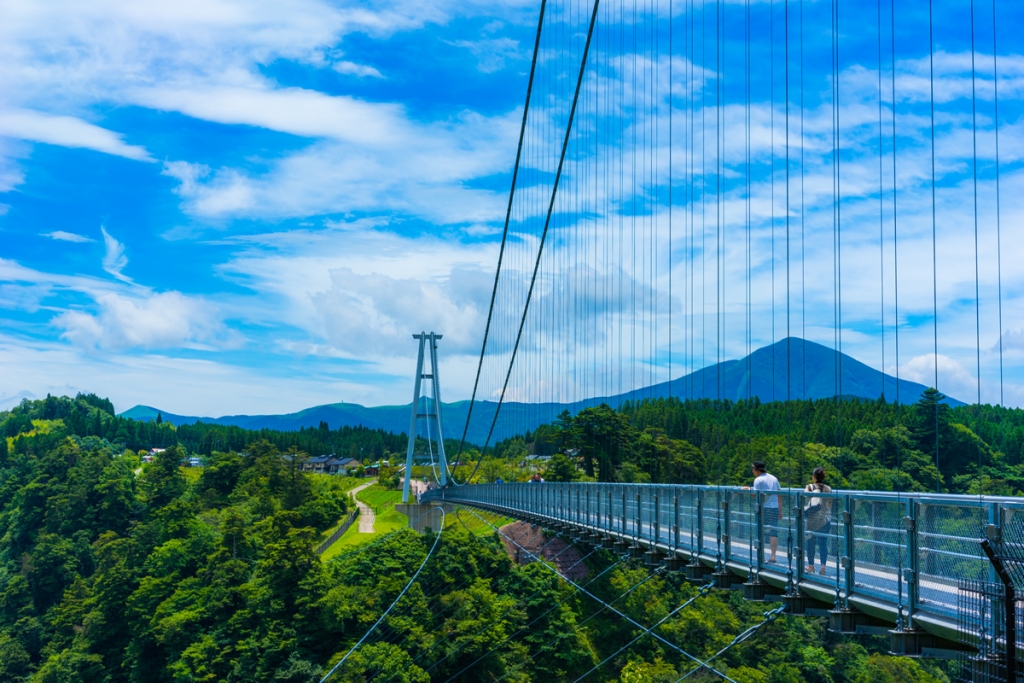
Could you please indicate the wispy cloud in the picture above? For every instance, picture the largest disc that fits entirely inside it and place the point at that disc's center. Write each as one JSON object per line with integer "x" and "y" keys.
{"x": 353, "y": 69}
{"x": 155, "y": 321}
{"x": 66, "y": 131}
{"x": 492, "y": 53}
{"x": 114, "y": 261}
{"x": 63, "y": 236}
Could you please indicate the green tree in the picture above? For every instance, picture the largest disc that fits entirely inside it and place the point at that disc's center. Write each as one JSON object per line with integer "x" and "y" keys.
{"x": 560, "y": 468}
{"x": 162, "y": 481}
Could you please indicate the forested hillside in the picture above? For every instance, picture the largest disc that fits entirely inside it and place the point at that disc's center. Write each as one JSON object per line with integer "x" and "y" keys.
{"x": 871, "y": 445}
{"x": 115, "y": 572}
{"x": 89, "y": 415}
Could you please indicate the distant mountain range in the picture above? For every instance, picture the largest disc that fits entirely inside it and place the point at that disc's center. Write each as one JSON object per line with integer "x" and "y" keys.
{"x": 762, "y": 374}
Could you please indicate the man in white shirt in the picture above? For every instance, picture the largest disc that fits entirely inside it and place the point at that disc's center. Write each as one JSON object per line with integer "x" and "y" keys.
{"x": 771, "y": 512}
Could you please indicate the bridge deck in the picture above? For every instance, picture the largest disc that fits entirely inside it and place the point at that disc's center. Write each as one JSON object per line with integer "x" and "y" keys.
{"x": 887, "y": 552}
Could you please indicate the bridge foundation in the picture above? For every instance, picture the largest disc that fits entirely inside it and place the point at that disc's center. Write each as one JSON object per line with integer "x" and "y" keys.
{"x": 420, "y": 516}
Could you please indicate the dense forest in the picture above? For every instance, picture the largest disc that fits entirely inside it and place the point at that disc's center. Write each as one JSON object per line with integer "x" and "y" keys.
{"x": 89, "y": 415}
{"x": 870, "y": 445}
{"x": 118, "y": 571}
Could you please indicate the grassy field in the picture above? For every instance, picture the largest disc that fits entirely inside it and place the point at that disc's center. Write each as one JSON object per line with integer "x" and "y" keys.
{"x": 378, "y": 497}
{"x": 474, "y": 524}
{"x": 387, "y": 521}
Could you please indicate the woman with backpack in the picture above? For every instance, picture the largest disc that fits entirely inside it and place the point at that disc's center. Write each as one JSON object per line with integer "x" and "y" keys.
{"x": 818, "y": 518}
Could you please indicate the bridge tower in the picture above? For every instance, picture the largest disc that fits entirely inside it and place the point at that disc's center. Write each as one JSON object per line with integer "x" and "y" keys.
{"x": 428, "y": 342}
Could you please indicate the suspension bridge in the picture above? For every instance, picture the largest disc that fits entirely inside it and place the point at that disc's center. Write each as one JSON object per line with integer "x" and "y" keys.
{"x": 696, "y": 180}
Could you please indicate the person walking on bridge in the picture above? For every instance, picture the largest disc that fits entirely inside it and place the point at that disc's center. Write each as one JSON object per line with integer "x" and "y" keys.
{"x": 818, "y": 518}
{"x": 770, "y": 513}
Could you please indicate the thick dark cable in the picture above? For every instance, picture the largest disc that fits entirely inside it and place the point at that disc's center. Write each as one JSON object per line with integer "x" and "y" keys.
{"x": 544, "y": 234}
{"x": 977, "y": 271}
{"x": 504, "y": 234}
{"x": 935, "y": 276}
{"x": 999, "y": 237}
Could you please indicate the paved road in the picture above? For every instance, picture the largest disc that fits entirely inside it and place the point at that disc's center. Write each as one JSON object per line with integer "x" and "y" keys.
{"x": 366, "y": 516}
{"x": 416, "y": 486}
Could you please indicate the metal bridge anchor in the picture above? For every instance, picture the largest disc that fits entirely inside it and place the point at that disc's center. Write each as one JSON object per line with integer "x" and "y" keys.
{"x": 697, "y": 572}
{"x": 653, "y": 558}
{"x": 756, "y": 590}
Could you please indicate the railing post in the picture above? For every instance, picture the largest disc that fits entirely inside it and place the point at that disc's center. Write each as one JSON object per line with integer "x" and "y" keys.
{"x": 623, "y": 513}
{"x": 587, "y": 499}
{"x": 726, "y": 539}
{"x": 912, "y": 572}
{"x": 638, "y": 520}
{"x": 675, "y": 522}
{"x": 798, "y": 512}
{"x": 848, "y": 533}
{"x": 993, "y": 533}
{"x": 700, "y": 523}
{"x": 656, "y": 528}
{"x": 759, "y": 524}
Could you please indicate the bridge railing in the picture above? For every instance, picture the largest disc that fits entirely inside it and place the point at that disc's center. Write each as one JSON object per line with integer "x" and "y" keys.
{"x": 901, "y": 549}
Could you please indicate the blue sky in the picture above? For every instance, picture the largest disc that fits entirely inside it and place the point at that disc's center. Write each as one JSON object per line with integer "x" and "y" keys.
{"x": 227, "y": 207}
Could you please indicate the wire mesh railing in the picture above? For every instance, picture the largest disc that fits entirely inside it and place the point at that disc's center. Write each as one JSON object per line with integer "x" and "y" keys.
{"x": 906, "y": 550}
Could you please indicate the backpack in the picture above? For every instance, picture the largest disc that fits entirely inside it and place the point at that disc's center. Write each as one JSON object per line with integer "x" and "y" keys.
{"x": 815, "y": 514}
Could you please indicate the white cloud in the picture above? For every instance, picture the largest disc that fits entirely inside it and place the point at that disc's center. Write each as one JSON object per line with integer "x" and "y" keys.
{"x": 63, "y": 236}
{"x": 353, "y": 69}
{"x": 291, "y": 110}
{"x": 9, "y": 401}
{"x": 492, "y": 53}
{"x": 417, "y": 169}
{"x": 66, "y": 131}
{"x": 376, "y": 311}
{"x": 186, "y": 386}
{"x": 954, "y": 379}
{"x": 114, "y": 260}
{"x": 23, "y": 297}
{"x": 155, "y": 321}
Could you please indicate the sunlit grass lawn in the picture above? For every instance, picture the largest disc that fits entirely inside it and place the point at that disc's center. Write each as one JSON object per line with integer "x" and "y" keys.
{"x": 387, "y": 521}
{"x": 378, "y": 497}
{"x": 192, "y": 474}
{"x": 474, "y": 524}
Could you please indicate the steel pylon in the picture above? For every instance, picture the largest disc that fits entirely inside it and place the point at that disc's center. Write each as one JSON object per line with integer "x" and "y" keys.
{"x": 428, "y": 342}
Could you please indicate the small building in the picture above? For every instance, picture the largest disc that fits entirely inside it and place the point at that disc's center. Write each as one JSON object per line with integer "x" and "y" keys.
{"x": 330, "y": 464}
{"x": 195, "y": 461}
{"x": 346, "y": 465}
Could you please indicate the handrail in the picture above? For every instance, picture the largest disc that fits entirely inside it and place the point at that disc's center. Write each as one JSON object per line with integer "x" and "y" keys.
{"x": 899, "y": 549}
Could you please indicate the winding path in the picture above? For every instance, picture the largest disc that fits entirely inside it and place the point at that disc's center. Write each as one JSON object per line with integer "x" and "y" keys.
{"x": 366, "y": 516}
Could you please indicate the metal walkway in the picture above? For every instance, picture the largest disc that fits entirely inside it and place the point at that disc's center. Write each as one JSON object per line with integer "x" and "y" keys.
{"x": 894, "y": 553}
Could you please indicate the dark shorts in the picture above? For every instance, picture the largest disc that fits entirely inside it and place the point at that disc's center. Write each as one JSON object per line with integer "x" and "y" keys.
{"x": 771, "y": 518}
